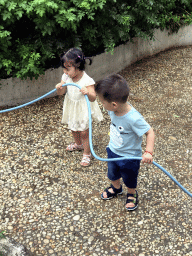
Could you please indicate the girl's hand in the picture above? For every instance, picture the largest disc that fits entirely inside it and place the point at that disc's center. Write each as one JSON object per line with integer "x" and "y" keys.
{"x": 58, "y": 86}
{"x": 60, "y": 89}
{"x": 147, "y": 158}
{"x": 84, "y": 90}
{"x": 89, "y": 91}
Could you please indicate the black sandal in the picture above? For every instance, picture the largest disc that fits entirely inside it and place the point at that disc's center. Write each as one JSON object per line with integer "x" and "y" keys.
{"x": 134, "y": 201}
{"x": 111, "y": 195}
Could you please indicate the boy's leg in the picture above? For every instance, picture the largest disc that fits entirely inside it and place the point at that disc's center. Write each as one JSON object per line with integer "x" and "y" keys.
{"x": 114, "y": 176}
{"x": 129, "y": 174}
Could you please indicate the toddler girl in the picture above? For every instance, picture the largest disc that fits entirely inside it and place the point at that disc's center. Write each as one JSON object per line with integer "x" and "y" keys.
{"x": 75, "y": 111}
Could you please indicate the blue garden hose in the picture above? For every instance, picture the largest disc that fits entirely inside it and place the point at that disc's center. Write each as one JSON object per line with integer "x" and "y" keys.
{"x": 90, "y": 135}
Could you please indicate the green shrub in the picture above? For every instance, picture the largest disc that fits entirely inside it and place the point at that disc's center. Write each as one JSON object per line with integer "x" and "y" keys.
{"x": 34, "y": 32}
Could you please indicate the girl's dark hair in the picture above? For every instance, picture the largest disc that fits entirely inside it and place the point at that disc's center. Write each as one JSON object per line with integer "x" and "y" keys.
{"x": 74, "y": 57}
{"x": 113, "y": 88}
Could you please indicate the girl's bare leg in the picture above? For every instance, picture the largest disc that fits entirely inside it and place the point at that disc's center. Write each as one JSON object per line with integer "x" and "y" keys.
{"x": 85, "y": 141}
{"x": 87, "y": 153}
{"x": 77, "y": 137}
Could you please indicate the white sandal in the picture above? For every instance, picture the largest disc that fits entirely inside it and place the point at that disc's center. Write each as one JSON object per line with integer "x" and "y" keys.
{"x": 86, "y": 160}
{"x": 73, "y": 146}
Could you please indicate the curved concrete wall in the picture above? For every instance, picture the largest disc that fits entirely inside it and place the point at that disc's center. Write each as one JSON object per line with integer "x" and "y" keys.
{"x": 16, "y": 91}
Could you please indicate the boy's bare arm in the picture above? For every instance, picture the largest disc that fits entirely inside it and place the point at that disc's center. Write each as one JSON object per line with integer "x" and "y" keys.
{"x": 150, "y": 140}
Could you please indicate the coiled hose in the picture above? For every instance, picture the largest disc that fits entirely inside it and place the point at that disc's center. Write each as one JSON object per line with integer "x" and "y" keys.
{"x": 90, "y": 135}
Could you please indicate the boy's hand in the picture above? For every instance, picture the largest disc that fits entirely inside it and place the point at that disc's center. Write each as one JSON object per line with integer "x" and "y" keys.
{"x": 84, "y": 90}
{"x": 147, "y": 158}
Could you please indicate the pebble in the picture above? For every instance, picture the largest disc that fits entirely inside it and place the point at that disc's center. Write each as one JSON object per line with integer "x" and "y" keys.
{"x": 77, "y": 217}
{"x": 46, "y": 241}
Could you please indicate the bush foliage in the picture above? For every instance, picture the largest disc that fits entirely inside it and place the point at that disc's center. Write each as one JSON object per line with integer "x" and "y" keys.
{"x": 34, "y": 32}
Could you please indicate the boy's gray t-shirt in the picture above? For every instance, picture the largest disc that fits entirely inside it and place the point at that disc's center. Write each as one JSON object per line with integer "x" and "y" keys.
{"x": 126, "y": 133}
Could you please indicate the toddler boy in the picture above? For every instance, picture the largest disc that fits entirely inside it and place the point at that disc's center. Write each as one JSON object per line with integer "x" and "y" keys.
{"x": 126, "y": 131}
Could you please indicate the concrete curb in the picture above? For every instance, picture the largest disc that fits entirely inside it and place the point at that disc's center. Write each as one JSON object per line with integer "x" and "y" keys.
{"x": 15, "y": 91}
{"x": 9, "y": 247}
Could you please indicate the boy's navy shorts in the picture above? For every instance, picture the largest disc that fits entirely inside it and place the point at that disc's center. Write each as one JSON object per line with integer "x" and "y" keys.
{"x": 126, "y": 169}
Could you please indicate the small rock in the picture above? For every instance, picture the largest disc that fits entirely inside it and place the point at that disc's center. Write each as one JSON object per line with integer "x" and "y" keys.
{"x": 46, "y": 241}
{"x": 77, "y": 217}
{"x": 172, "y": 138}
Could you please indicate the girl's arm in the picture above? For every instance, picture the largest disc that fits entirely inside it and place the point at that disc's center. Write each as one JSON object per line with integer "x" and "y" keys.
{"x": 90, "y": 92}
{"x": 61, "y": 90}
{"x": 148, "y": 155}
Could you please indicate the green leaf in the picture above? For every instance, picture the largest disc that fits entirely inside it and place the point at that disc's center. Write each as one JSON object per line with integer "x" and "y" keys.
{"x": 19, "y": 14}
{"x": 6, "y": 15}
{"x": 11, "y": 6}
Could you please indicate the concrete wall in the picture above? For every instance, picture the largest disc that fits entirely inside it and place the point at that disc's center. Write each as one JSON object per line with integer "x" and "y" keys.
{"x": 15, "y": 91}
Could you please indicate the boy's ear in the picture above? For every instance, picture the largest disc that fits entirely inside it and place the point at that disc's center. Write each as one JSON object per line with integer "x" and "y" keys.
{"x": 114, "y": 104}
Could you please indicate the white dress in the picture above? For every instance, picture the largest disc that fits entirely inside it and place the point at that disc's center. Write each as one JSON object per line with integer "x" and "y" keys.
{"x": 75, "y": 111}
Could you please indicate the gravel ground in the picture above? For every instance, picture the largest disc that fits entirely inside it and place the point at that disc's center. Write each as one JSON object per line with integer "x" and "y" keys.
{"x": 52, "y": 206}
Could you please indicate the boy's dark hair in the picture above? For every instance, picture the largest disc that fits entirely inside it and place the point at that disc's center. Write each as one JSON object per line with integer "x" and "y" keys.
{"x": 113, "y": 88}
{"x": 74, "y": 57}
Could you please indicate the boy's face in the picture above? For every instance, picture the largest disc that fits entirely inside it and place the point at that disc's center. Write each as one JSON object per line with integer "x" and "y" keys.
{"x": 110, "y": 106}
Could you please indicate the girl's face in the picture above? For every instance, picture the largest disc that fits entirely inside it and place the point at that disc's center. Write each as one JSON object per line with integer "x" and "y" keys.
{"x": 70, "y": 71}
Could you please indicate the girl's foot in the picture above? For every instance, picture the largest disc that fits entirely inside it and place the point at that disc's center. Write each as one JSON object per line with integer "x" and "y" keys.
{"x": 86, "y": 160}
{"x": 73, "y": 146}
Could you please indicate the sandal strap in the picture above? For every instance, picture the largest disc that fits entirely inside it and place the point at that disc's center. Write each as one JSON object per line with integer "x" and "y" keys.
{"x": 74, "y": 146}
{"x": 86, "y": 158}
{"x": 79, "y": 146}
{"x": 129, "y": 200}
{"x": 132, "y": 200}
{"x": 133, "y": 195}
{"x": 109, "y": 194}
{"x": 115, "y": 190}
